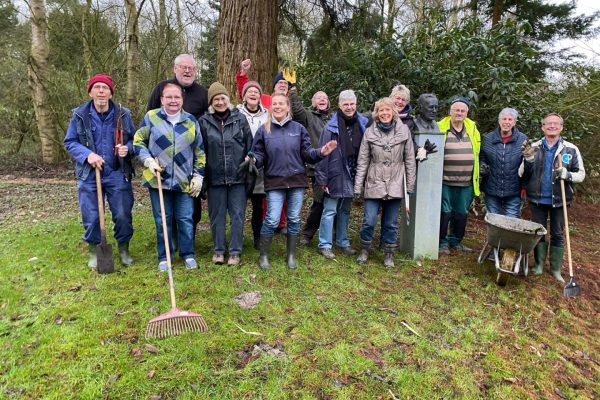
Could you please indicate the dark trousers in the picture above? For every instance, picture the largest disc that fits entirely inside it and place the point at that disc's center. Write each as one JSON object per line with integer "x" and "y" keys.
{"x": 314, "y": 213}
{"x": 540, "y": 214}
{"x": 257, "y": 213}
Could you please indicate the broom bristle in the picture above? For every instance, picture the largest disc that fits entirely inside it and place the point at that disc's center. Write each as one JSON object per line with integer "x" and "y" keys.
{"x": 174, "y": 323}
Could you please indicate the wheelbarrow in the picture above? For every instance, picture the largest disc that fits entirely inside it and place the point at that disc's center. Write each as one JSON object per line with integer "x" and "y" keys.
{"x": 516, "y": 238}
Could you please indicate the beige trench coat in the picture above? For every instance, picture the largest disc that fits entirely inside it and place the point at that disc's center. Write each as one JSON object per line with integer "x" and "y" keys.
{"x": 382, "y": 160}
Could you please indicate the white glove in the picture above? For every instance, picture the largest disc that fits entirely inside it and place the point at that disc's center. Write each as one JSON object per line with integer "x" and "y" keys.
{"x": 196, "y": 185}
{"x": 562, "y": 173}
{"x": 152, "y": 165}
{"x": 421, "y": 154}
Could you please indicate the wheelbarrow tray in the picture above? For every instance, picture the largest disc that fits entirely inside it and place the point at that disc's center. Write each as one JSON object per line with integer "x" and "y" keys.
{"x": 513, "y": 233}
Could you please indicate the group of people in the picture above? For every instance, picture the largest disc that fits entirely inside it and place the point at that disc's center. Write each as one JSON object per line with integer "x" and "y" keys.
{"x": 266, "y": 149}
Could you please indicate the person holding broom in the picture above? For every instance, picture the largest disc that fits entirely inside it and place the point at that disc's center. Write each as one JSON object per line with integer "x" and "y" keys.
{"x": 100, "y": 135}
{"x": 169, "y": 141}
{"x": 545, "y": 162}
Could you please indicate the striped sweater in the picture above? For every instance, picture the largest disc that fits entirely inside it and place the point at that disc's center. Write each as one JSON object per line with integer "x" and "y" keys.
{"x": 458, "y": 160}
{"x": 179, "y": 149}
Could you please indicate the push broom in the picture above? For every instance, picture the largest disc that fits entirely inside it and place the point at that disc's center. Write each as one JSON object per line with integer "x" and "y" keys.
{"x": 175, "y": 321}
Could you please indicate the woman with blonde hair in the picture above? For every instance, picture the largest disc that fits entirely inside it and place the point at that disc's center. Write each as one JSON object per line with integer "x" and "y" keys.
{"x": 386, "y": 158}
{"x": 283, "y": 146}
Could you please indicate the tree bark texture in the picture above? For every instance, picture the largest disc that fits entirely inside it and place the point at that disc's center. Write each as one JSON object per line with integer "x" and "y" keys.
{"x": 86, "y": 37}
{"x": 497, "y": 14}
{"x": 37, "y": 68}
{"x": 247, "y": 29}
{"x": 133, "y": 55}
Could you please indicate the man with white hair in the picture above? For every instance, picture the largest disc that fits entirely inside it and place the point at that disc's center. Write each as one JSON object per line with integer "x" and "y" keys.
{"x": 195, "y": 102}
{"x": 335, "y": 174}
{"x": 499, "y": 162}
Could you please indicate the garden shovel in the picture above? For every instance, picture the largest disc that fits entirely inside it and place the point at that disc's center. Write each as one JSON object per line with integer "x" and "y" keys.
{"x": 104, "y": 253}
{"x": 572, "y": 289}
{"x": 175, "y": 321}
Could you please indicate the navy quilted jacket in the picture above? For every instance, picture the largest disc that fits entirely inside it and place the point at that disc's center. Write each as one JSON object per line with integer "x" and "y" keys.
{"x": 503, "y": 161}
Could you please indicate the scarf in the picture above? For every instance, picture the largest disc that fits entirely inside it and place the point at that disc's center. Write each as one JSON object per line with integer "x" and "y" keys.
{"x": 385, "y": 128}
{"x": 349, "y": 135}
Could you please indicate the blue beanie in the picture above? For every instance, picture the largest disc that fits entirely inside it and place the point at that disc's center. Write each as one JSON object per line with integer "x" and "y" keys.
{"x": 461, "y": 99}
{"x": 277, "y": 78}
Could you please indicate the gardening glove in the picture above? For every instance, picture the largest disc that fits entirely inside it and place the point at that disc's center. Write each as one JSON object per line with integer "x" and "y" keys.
{"x": 528, "y": 151}
{"x": 246, "y": 165}
{"x": 430, "y": 147}
{"x": 562, "y": 173}
{"x": 152, "y": 165}
{"x": 421, "y": 154}
{"x": 484, "y": 170}
{"x": 290, "y": 76}
{"x": 196, "y": 185}
{"x": 356, "y": 196}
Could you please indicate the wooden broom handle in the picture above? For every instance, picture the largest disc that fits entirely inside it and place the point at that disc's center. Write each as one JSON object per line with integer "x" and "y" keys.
{"x": 166, "y": 238}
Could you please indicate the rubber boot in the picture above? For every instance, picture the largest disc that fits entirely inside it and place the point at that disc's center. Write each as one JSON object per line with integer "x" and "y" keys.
{"x": 388, "y": 251}
{"x": 264, "y": 245}
{"x": 363, "y": 256}
{"x": 124, "y": 254}
{"x": 556, "y": 262}
{"x": 292, "y": 243}
{"x": 92, "y": 258}
{"x": 539, "y": 254}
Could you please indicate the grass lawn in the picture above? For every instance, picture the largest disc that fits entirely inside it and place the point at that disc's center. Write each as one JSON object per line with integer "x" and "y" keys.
{"x": 329, "y": 330}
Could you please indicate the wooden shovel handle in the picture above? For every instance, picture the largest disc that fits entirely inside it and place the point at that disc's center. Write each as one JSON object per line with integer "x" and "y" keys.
{"x": 566, "y": 217}
{"x": 100, "y": 205}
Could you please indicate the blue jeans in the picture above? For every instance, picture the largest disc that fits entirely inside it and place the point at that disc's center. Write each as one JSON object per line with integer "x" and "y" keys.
{"x": 332, "y": 207}
{"x": 509, "y": 206}
{"x": 225, "y": 199}
{"x": 293, "y": 198}
{"x": 389, "y": 219}
{"x": 119, "y": 194}
{"x": 180, "y": 206}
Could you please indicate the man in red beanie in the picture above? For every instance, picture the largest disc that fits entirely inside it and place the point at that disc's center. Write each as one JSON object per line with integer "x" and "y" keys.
{"x": 100, "y": 135}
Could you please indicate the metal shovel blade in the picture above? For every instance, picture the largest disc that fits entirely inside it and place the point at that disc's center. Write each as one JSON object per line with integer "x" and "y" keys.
{"x": 104, "y": 255}
{"x": 572, "y": 289}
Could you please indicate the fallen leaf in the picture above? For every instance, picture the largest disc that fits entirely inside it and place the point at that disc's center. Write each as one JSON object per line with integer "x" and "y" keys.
{"x": 151, "y": 373}
{"x": 510, "y": 380}
{"x": 136, "y": 352}
{"x": 151, "y": 348}
{"x": 155, "y": 397}
{"x": 118, "y": 313}
{"x": 58, "y": 320}
{"x": 93, "y": 289}
{"x": 33, "y": 258}
{"x": 113, "y": 378}
{"x": 560, "y": 393}
{"x": 75, "y": 288}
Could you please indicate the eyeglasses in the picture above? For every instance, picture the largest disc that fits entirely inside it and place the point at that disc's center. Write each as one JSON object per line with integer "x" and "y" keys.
{"x": 552, "y": 124}
{"x": 186, "y": 67}
{"x": 171, "y": 98}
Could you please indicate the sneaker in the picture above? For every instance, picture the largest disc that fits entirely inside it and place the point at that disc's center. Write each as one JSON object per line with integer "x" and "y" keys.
{"x": 162, "y": 266}
{"x": 463, "y": 248}
{"x": 444, "y": 250}
{"x": 234, "y": 260}
{"x": 218, "y": 259}
{"x": 327, "y": 253}
{"x": 190, "y": 263}
{"x": 349, "y": 251}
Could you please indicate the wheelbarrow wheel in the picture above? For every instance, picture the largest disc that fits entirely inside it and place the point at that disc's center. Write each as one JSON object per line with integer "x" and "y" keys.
{"x": 508, "y": 264}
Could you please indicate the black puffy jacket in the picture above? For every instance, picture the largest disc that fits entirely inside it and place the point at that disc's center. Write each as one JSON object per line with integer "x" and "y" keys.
{"x": 503, "y": 161}
{"x": 226, "y": 145}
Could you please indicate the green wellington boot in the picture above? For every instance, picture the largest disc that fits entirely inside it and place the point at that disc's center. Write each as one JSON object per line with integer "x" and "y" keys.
{"x": 556, "y": 262}
{"x": 92, "y": 258}
{"x": 124, "y": 254}
{"x": 540, "y": 252}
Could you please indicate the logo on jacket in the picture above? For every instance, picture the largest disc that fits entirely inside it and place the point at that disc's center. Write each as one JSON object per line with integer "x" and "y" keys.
{"x": 566, "y": 158}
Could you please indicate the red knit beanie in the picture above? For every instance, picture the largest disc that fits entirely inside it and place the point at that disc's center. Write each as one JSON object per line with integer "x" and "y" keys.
{"x": 102, "y": 79}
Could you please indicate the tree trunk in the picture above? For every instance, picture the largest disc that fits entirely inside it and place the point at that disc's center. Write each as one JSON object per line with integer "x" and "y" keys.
{"x": 133, "y": 55}
{"x": 497, "y": 14}
{"x": 86, "y": 34}
{"x": 180, "y": 42}
{"x": 37, "y": 69}
{"x": 247, "y": 29}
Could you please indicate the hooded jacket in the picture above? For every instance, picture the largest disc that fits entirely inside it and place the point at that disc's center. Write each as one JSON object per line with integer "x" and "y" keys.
{"x": 503, "y": 160}
{"x": 475, "y": 138}
{"x": 533, "y": 172}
